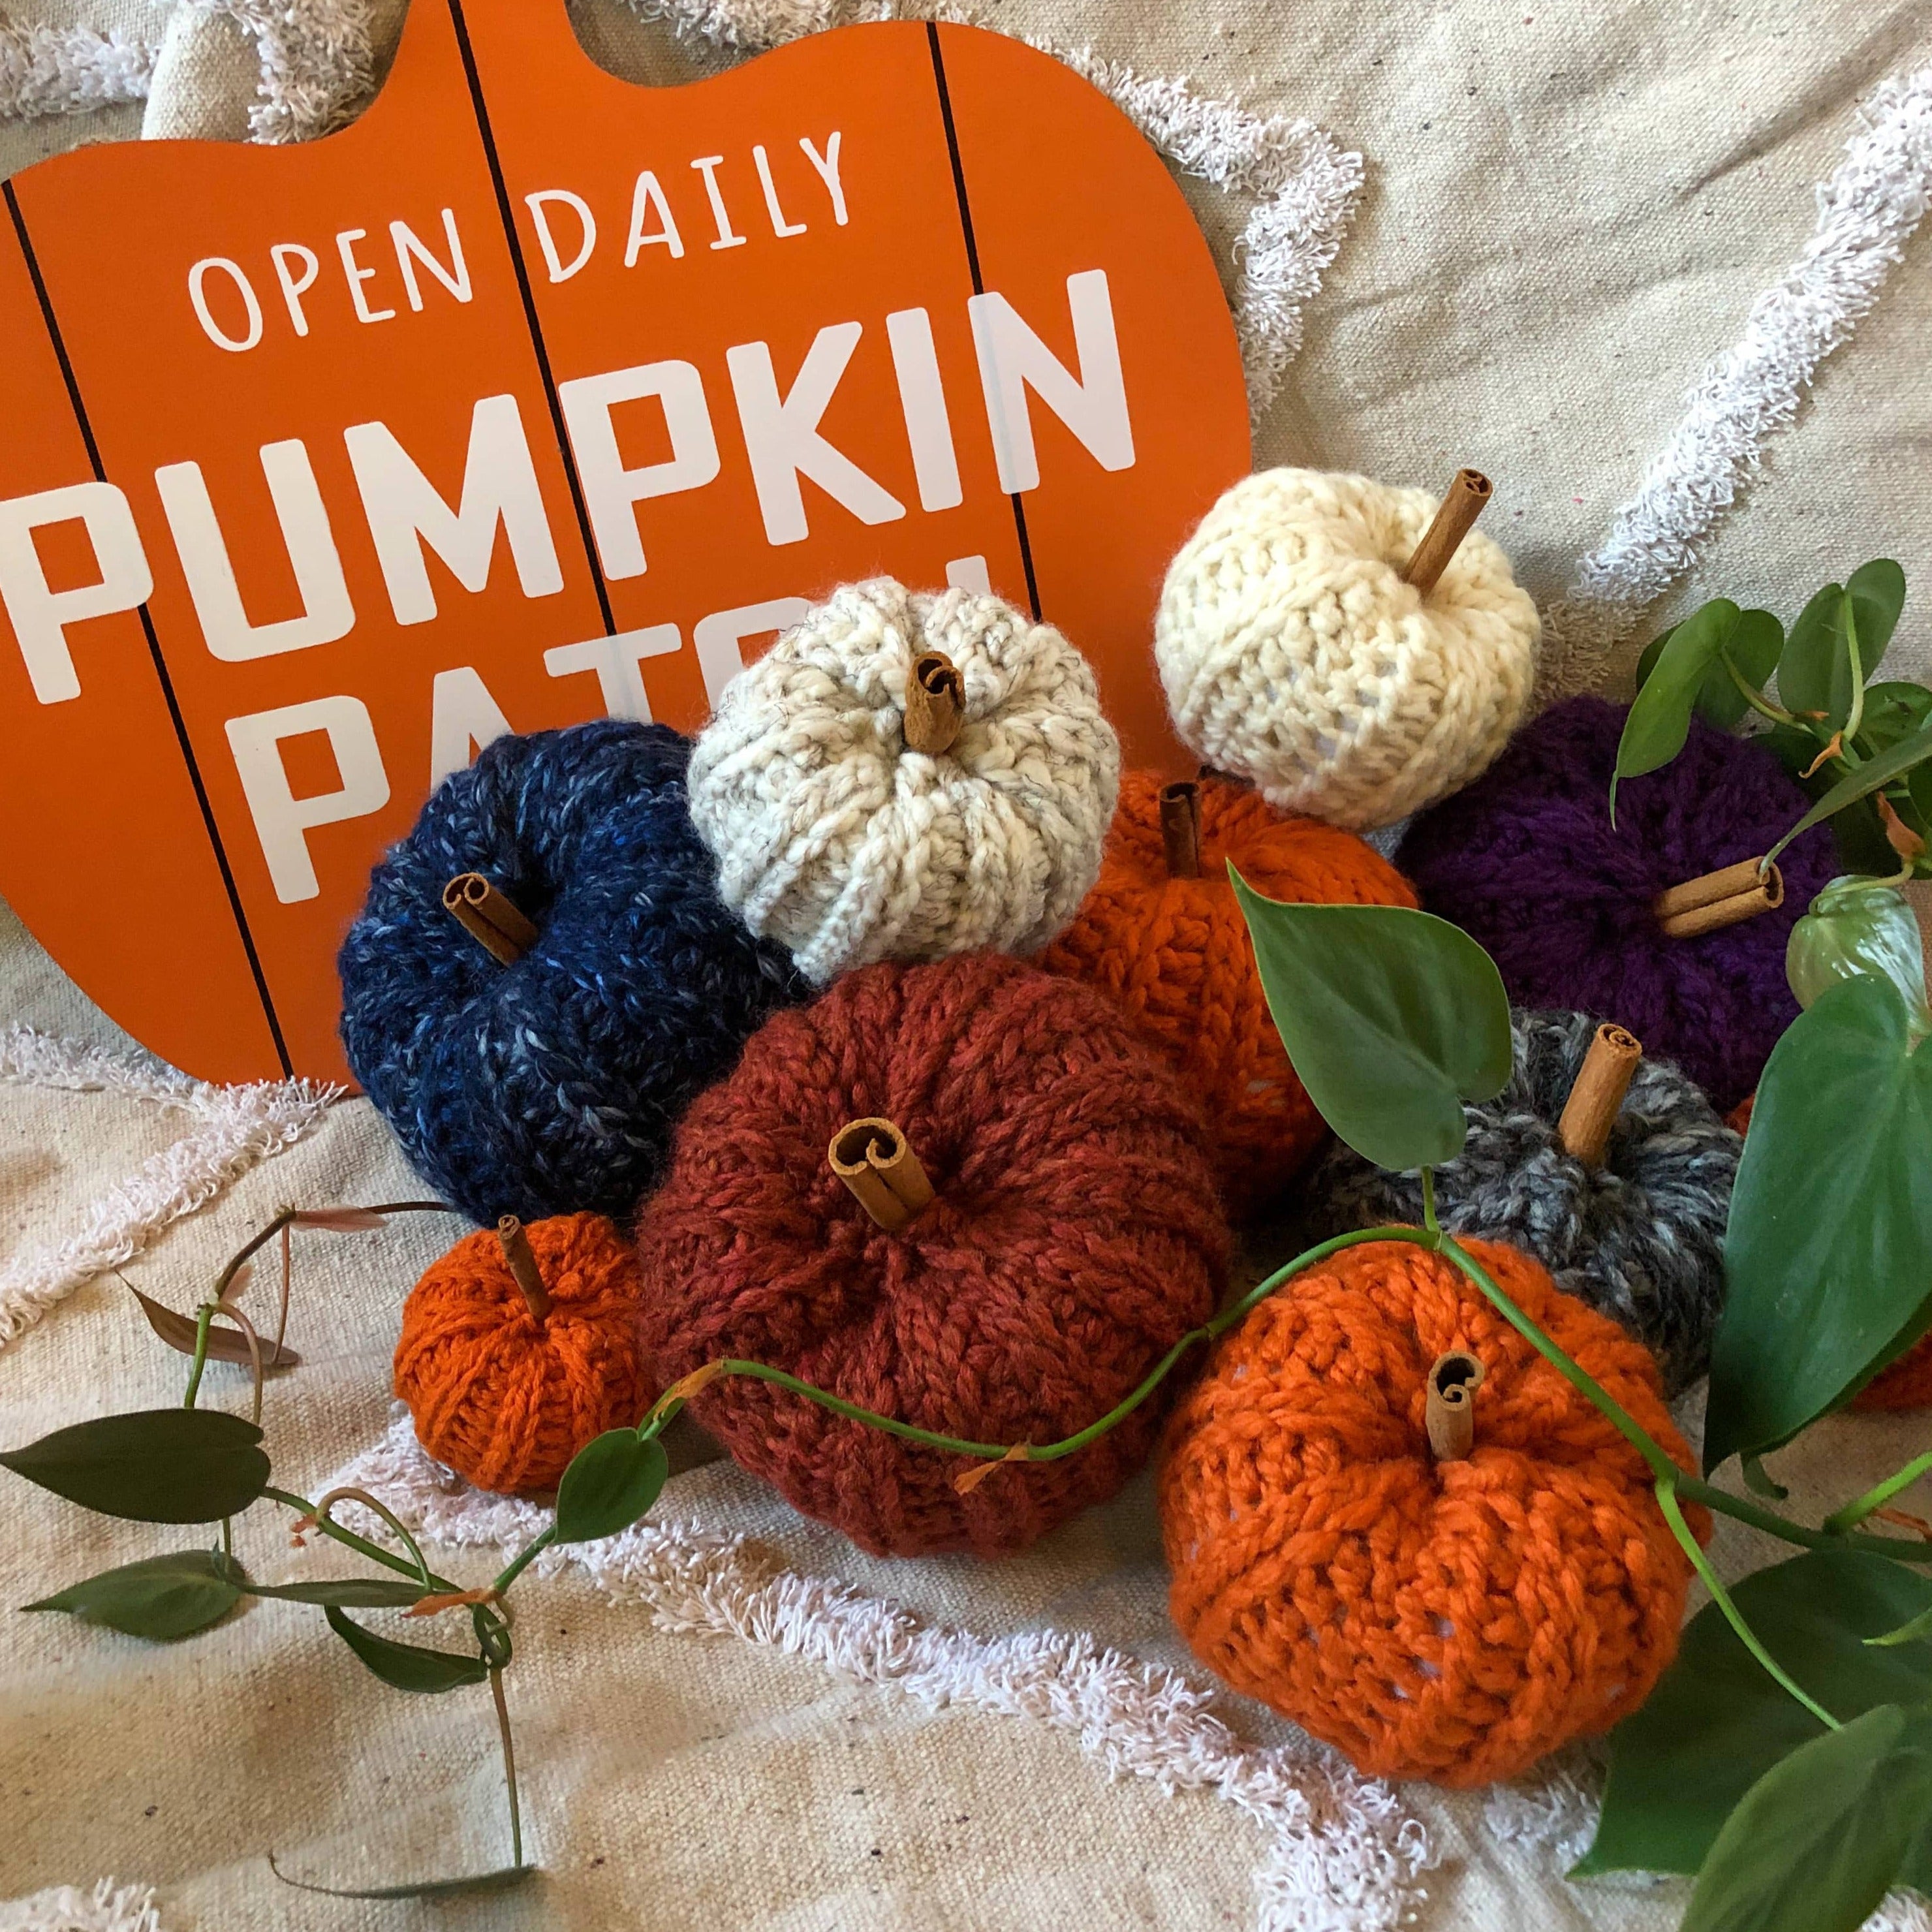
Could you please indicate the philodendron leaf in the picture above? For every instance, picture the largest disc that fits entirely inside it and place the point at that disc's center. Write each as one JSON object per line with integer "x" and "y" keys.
{"x": 1392, "y": 1018}
{"x": 156, "y": 1466}
{"x": 180, "y": 1331}
{"x": 1754, "y": 646}
{"x": 1817, "y": 672}
{"x": 1828, "y": 1254}
{"x": 1881, "y": 770}
{"x": 345, "y": 1593}
{"x": 1659, "y": 719}
{"x": 1716, "y": 1722}
{"x": 160, "y": 1597}
{"x": 610, "y": 1482}
{"x": 1815, "y": 1844}
{"x": 429, "y": 1888}
{"x": 1893, "y": 712}
{"x": 407, "y": 1667}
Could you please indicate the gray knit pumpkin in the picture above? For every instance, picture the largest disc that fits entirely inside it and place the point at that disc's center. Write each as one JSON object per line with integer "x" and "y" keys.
{"x": 1641, "y": 1238}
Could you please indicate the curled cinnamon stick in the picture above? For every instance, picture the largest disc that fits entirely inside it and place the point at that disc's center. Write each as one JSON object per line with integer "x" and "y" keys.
{"x": 1449, "y": 1415}
{"x": 1584, "y": 1130}
{"x": 492, "y": 920}
{"x": 523, "y": 1264}
{"x": 1180, "y": 828}
{"x": 875, "y": 1160}
{"x": 1714, "y": 900}
{"x": 935, "y": 703}
{"x": 1469, "y": 497}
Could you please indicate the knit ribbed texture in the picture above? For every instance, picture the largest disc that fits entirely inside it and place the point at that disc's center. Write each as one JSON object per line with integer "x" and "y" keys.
{"x": 552, "y": 1084}
{"x": 1174, "y": 955}
{"x": 1451, "y": 1620}
{"x": 1294, "y": 655}
{"x": 502, "y": 1399}
{"x": 1527, "y": 861}
{"x": 836, "y": 840}
{"x": 1641, "y": 1238}
{"x": 1074, "y": 1238}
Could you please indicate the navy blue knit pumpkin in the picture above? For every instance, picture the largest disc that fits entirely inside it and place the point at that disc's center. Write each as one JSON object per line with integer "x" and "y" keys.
{"x": 552, "y": 1084}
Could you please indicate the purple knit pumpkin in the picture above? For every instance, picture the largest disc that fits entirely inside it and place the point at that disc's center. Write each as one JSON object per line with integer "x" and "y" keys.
{"x": 1526, "y": 861}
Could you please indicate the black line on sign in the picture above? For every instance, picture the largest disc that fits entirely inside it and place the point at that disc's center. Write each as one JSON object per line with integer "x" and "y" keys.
{"x": 537, "y": 343}
{"x": 979, "y": 286}
{"x": 167, "y": 683}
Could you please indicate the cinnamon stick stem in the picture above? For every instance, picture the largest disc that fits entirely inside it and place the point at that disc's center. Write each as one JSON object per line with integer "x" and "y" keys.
{"x": 494, "y": 921}
{"x": 1583, "y": 1132}
{"x": 875, "y": 1160}
{"x": 1180, "y": 828}
{"x": 1717, "y": 899}
{"x": 1450, "y": 1413}
{"x": 523, "y": 1264}
{"x": 935, "y": 703}
{"x": 1469, "y": 497}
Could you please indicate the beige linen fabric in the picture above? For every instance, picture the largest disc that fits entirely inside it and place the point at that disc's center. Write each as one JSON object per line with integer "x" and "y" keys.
{"x": 1569, "y": 210}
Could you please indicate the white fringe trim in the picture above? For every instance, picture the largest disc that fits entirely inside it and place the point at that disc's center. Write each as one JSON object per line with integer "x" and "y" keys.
{"x": 318, "y": 63}
{"x": 1344, "y": 1855}
{"x": 1866, "y": 211}
{"x": 109, "y": 1907}
{"x": 236, "y": 1127}
{"x": 47, "y": 69}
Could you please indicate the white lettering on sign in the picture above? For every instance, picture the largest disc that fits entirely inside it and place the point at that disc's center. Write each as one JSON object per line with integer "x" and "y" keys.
{"x": 539, "y": 204}
{"x": 708, "y": 167}
{"x": 281, "y": 254}
{"x": 39, "y": 616}
{"x": 327, "y": 613}
{"x": 463, "y": 717}
{"x": 780, "y": 226}
{"x": 935, "y": 463}
{"x": 345, "y": 246}
{"x": 782, "y": 440}
{"x": 611, "y": 490}
{"x": 406, "y": 515}
{"x": 648, "y": 198}
{"x": 410, "y": 252}
{"x": 826, "y": 167}
{"x": 616, "y": 660}
{"x": 1013, "y": 359}
{"x": 197, "y": 295}
{"x": 282, "y": 821}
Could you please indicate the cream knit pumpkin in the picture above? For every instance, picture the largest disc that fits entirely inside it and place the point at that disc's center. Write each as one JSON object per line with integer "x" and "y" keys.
{"x": 1294, "y": 655}
{"x": 834, "y": 838}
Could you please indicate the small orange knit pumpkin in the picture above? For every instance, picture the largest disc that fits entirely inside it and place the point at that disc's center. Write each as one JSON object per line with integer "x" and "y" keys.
{"x": 1174, "y": 954}
{"x": 502, "y": 1395}
{"x": 1454, "y": 1620}
{"x": 1907, "y": 1384}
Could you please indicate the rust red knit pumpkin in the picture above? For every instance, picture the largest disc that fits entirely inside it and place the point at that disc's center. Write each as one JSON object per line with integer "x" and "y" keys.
{"x": 1074, "y": 1236}
{"x": 1175, "y": 955}
{"x": 506, "y": 1400}
{"x": 1452, "y": 1620}
{"x": 1906, "y": 1383}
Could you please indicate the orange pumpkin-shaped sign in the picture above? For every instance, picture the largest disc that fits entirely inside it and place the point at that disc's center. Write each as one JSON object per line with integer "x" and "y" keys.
{"x": 532, "y": 396}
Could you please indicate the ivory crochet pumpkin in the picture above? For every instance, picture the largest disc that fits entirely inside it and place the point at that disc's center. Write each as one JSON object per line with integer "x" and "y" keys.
{"x": 1295, "y": 654}
{"x": 1172, "y": 953}
{"x": 1452, "y": 1620}
{"x": 505, "y": 1390}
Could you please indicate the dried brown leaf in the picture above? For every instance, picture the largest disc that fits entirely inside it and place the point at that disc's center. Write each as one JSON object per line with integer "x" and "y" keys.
{"x": 224, "y": 1345}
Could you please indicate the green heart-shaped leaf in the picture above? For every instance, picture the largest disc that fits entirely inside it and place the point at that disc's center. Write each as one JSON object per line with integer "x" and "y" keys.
{"x": 1900, "y": 758}
{"x": 407, "y": 1667}
{"x": 1893, "y": 712}
{"x": 1817, "y": 672}
{"x": 1754, "y": 646}
{"x": 155, "y": 1466}
{"x": 1392, "y": 1019}
{"x": 345, "y": 1593}
{"x": 1659, "y": 719}
{"x": 1827, "y": 1255}
{"x": 160, "y": 1597}
{"x": 1717, "y": 1721}
{"x": 610, "y": 1482}
{"x": 1817, "y": 1842}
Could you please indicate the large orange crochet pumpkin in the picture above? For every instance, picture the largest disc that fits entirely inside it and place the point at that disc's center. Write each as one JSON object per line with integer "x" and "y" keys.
{"x": 1452, "y": 1620}
{"x": 1907, "y": 1384}
{"x": 504, "y": 1396}
{"x": 1175, "y": 954}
